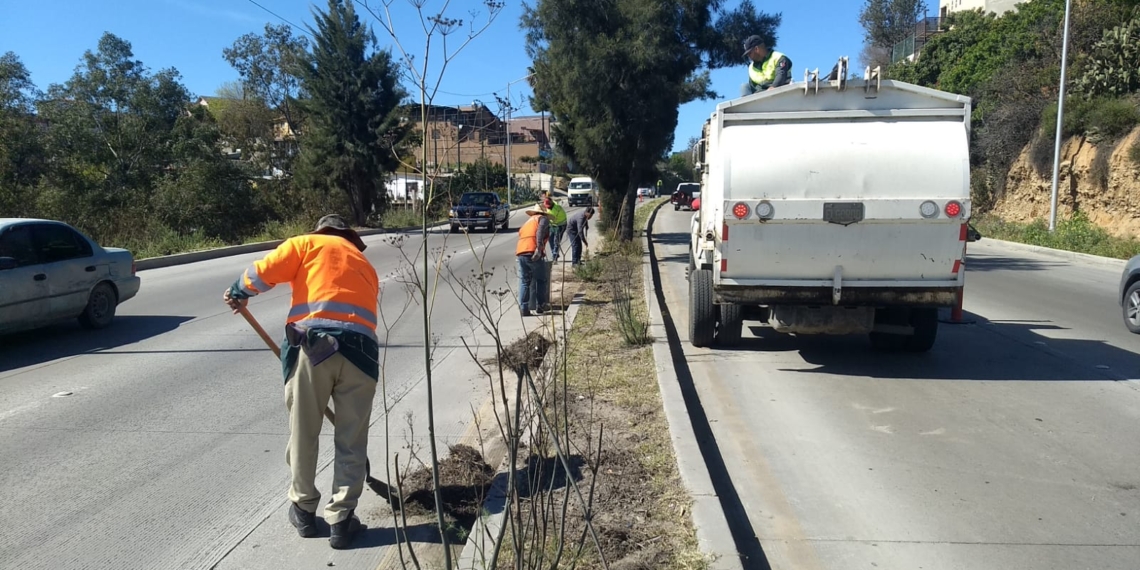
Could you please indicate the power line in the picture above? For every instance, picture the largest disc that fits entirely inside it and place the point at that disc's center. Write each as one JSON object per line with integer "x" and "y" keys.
{"x": 278, "y": 16}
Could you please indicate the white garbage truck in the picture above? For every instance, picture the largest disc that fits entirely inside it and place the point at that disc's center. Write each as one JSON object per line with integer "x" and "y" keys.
{"x": 832, "y": 207}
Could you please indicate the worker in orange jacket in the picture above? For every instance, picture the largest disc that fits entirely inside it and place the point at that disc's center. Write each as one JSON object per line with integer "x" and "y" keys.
{"x": 330, "y": 351}
{"x": 530, "y": 252}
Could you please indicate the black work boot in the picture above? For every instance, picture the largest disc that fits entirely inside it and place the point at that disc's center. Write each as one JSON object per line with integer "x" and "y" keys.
{"x": 344, "y": 531}
{"x": 304, "y": 521}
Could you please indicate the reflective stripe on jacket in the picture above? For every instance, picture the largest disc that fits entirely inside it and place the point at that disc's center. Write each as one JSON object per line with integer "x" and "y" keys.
{"x": 767, "y": 72}
{"x": 333, "y": 284}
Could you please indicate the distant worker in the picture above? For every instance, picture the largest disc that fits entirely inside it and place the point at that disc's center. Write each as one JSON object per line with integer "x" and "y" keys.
{"x": 768, "y": 70}
{"x": 576, "y": 230}
{"x": 557, "y": 225}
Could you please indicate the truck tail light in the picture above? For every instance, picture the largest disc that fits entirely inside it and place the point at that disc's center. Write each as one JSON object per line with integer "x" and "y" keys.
{"x": 765, "y": 210}
{"x": 953, "y": 209}
{"x": 741, "y": 210}
{"x": 928, "y": 209}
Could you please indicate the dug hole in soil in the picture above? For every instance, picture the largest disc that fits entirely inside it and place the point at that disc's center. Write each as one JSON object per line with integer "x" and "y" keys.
{"x": 464, "y": 479}
{"x": 464, "y": 475}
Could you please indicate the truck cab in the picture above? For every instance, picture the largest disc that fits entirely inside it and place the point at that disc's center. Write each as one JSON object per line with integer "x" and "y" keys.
{"x": 582, "y": 192}
{"x": 832, "y": 207}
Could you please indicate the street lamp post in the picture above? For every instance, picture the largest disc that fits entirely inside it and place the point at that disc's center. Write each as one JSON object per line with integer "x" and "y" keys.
{"x": 1060, "y": 119}
{"x": 510, "y": 105}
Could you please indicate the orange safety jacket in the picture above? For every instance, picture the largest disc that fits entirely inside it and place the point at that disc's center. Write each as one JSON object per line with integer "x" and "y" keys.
{"x": 528, "y": 236}
{"x": 333, "y": 284}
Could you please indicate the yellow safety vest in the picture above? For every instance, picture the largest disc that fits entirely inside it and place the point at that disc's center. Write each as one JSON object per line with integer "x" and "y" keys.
{"x": 767, "y": 72}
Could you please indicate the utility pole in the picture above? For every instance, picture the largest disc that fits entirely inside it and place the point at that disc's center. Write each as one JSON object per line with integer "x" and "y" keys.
{"x": 1060, "y": 120}
{"x": 510, "y": 106}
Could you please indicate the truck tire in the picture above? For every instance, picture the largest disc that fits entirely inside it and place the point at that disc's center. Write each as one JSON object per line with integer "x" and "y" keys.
{"x": 702, "y": 311}
{"x": 506, "y": 222}
{"x": 676, "y": 207}
{"x": 100, "y": 309}
{"x": 925, "y": 323}
{"x": 731, "y": 325}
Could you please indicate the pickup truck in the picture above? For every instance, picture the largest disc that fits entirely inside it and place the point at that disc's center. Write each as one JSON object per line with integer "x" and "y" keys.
{"x": 479, "y": 209}
{"x": 684, "y": 195}
{"x": 832, "y": 207}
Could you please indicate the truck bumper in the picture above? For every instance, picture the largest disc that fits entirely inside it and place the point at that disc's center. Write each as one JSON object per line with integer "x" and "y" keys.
{"x": 851, "y": 296}
{"x": 471, "y": 222}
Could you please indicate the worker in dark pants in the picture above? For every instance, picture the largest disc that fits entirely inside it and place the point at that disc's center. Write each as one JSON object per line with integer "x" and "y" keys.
{"x": 576, "y": 230}
{"x": 530, "y": 252}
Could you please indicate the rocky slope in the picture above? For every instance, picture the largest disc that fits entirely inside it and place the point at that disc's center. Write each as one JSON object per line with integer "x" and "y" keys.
{"x": 1115, "y": 207}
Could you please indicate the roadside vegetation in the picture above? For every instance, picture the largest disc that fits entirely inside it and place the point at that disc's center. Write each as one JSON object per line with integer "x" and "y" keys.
{"x": 1010, "y": 66}
{"x": 1075, "y": 233}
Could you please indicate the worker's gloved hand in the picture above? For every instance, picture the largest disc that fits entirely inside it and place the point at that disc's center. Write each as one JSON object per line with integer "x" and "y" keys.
{"x": 537, "y": 256}
{"x": 234, "y": 303}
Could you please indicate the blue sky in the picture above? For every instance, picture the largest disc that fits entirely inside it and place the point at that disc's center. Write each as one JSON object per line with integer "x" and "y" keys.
{"x": 189, "y": 35}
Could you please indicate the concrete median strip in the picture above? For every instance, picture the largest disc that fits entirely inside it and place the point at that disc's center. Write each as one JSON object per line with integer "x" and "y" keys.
{"x": 218, "y": 253}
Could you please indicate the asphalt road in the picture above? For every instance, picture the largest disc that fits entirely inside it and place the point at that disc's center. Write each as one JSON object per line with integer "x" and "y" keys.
{"x": 169, "y": 450}
{"x": 1015, "y": 443}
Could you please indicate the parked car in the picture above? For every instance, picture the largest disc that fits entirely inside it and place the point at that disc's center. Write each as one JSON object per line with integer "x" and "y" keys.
{"x": 683, "y": 197}
{"x": 1130, "y": 294}
{"x": 477, "y": 209}
{"x": 645, "y": 192}
{"x": 49, "y": 271}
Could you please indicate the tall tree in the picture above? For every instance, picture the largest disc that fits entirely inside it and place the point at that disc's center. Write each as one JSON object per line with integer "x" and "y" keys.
{"x": 886, "y": 23}
{"x": 269, "y": 66}
{"x": 614, "y": 72}
{"x": 22, "y": 159}
{"x": 352, "y": 118}
{"x": 110, "y": 136}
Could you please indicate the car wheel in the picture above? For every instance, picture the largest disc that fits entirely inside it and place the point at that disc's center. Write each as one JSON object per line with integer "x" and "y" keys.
{"x": 1132, "y": 308}
{"x": 506, "y": 223}
{"x": 676, "y": 207}
{"x": 100, "y": 309}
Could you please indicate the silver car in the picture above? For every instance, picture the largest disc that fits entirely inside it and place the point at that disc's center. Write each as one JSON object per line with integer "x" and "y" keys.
{"x": 1130, "y": 294}
{"x": 49, "y": 272}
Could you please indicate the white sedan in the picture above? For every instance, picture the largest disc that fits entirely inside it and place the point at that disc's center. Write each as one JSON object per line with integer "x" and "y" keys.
{"x": 49, "y": 272}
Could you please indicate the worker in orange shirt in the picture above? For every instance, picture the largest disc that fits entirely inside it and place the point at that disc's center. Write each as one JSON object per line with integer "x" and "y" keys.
{"x": 330, "y": 351}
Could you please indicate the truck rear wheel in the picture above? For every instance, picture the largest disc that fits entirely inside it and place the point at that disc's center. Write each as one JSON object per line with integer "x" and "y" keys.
{"x": 731, "y": 325}
{"x": 702, "y": 311}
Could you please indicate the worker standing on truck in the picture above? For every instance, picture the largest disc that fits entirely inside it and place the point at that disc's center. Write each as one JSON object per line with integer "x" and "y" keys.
{"x": 330, "y": 351}
{"x": 769, "y": 69}
{"x": 531, "y": 255}
{"x": 557, "y": 226}
{"x": 576, "y": 230}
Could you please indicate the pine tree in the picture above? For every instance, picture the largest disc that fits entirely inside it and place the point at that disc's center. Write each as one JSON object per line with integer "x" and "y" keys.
{"x": 352, "y": 112}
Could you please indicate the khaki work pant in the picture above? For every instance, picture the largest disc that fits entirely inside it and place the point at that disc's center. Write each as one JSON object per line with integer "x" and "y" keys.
{"x": 306, "y": 394}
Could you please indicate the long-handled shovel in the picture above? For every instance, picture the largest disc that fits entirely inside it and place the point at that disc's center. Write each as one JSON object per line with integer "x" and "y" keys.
{"x": 377, "y": 485}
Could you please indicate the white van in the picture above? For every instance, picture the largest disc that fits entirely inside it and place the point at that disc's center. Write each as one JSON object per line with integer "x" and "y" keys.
{"x": 583, "y": 191}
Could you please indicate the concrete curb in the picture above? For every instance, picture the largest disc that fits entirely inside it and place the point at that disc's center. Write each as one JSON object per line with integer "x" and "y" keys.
{"x": 228, "y": 251}
{"x": 479, "y": 541}
{"x": 713, "y": 533}
{"x": 1061, "y": 253}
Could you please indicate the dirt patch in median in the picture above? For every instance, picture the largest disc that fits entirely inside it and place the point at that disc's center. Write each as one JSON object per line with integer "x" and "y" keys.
{"x": 464, "y": 478}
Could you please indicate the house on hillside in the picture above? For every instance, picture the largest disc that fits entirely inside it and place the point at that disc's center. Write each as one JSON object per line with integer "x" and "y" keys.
{"x": 999, "y": 7}
{"x": 464, "y": 134}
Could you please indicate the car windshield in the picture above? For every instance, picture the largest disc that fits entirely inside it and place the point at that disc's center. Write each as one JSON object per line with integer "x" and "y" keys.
{"x": 477, "y": 200}
{"x": 689, "y": 188}
{"x": 579, "y": 185}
